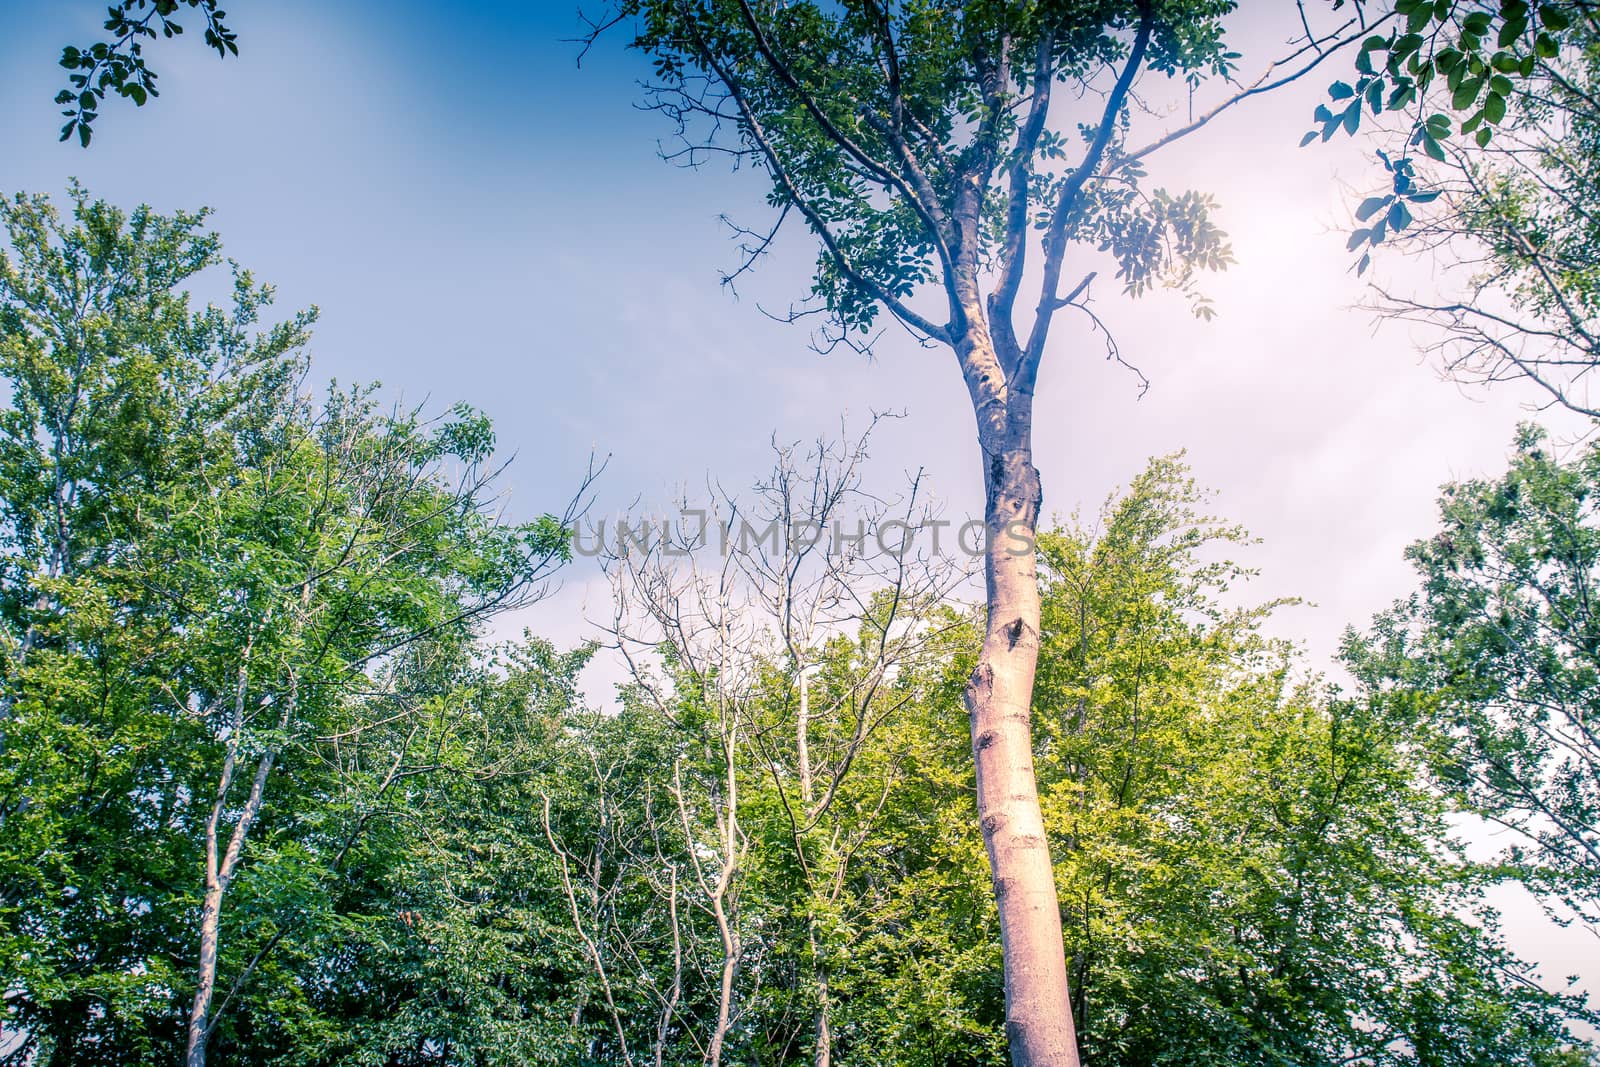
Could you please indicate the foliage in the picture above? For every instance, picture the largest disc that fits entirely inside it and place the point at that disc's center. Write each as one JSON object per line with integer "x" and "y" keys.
{"x": 451, "y": 859}
{"x": 916, "y": 142}
{"x": 1254, "y": 872}
{"x": 1498, "y": 658}
{"x": 1465, "y": 52}
{"x": 117, "y": 64}
{"x": 1448, "y": 67}
{"x": 1254, "y": 869}
{"x": 206, "y": 569}
{"x": 1508, "y": 217}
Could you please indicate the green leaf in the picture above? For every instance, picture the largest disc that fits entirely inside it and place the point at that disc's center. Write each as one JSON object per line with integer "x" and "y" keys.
{"x": 1340, "y": 91}
{"x": 1371, "y": 206}
{"x": 1467, "y": 94}
{"x": 1553, "y": 18}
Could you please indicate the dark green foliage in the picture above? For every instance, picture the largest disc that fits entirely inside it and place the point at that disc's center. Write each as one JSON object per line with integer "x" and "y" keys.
{"x": 117, "y": 64}
{"x": 893, "y": 131}
{"x": 206, "y": 566}
{"x": 1448, "y": 68}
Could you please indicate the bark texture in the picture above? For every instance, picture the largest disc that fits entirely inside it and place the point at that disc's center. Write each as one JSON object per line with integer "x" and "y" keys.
{"x": 999, "y": 697}
{"x": 1000, "y": 380}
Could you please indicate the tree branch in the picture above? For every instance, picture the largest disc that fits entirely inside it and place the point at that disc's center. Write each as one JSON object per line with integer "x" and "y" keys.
{"x": 1027, "y": 370}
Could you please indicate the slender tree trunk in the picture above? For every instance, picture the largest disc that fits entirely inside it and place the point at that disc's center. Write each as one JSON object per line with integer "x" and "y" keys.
{"x": 726, "y": 930}
{"x": 670, "y": 1008}
{"x": 221, "y": 869}
{"x": 999, "y": 700}
{"x": 822, "y": 1055}
{"x": 210, "y": 923}
{"x": 219, "y": 875}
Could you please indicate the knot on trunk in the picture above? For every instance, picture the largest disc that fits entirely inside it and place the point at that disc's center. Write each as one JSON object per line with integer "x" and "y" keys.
{"x": 980, "y": 684}
{"x": 1014, "y": 632}
{"x": 1013, "y": 489}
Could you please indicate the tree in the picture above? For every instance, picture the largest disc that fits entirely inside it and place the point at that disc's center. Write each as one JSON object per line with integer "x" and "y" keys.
{"x": 447, "y": 941}
{"x": 1254, "y": 869}
{"x": 1499, "y": 656}
{"x": 1436, "y": 56}
{"x": 918, "y": 146}
{"x": 213, "y": 583}
{"x": 776, "y": 647}
{"x": 114, "y": 383}
{"x": 1508, "y": 206}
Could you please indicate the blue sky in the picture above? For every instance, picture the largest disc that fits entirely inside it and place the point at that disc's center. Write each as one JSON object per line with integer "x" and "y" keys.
{"x": 481, "y": 220}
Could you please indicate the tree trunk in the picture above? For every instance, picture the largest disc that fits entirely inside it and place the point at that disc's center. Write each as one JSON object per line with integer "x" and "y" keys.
{"x": 221, "y": 869}
{"x": 210, "y": 922}
{"x": 822, "y": 1053}
{"x": 999, "y": 699}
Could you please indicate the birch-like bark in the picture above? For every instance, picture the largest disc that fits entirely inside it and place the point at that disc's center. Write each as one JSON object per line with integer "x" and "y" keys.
{"x": 221, "y": 870}
{"x": 999, "y": 699}
{"x": 822, "y": 1055}
{"x": 726, "y": 931}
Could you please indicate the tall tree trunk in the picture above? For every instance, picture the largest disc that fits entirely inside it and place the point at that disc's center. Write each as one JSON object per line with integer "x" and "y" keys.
{"x": 221, "y": 869}
{"x": 999, "y": 700}
{"x": 219, "y": 875}
{"x": 822, "y": 1053}
{"x": 206, "y": 984}
{"x": 726, "y": 929}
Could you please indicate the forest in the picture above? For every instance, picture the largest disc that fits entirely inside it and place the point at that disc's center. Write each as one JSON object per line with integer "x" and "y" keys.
{"x": 307, "y": 756}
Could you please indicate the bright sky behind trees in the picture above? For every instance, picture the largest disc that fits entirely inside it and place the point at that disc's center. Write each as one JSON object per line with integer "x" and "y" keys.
{"x": 481, "y": 220}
